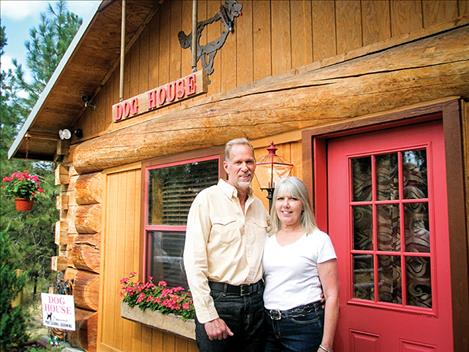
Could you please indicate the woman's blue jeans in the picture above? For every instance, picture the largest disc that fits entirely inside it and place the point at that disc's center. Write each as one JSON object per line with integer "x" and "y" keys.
{"x": 300, "y": 331}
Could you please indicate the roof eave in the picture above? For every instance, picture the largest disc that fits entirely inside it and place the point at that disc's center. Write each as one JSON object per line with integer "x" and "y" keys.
{"x": 51, "y": 83}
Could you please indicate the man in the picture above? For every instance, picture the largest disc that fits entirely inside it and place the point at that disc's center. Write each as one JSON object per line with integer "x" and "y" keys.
{"x": 226, "y": 229}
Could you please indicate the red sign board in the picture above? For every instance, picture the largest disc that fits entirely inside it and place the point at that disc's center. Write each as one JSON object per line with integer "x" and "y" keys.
{"x": 169, "y": 93}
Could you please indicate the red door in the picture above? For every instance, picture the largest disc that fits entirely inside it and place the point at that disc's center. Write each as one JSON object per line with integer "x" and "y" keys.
{"x": 387, "y": 217}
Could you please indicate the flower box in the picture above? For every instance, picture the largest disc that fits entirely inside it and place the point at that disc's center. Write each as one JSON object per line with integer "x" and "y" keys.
{"x": 166, "y": 322}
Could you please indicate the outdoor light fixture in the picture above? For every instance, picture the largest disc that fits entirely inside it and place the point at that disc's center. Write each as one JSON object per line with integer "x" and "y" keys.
{"x": 65, "y": 134}
{"x": 78, "y": 132}
{"x": 269, "y": 169}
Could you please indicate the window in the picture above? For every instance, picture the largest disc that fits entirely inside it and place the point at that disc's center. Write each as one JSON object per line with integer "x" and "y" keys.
{"x": 391, "y": 249}
{"x": 169, "y": 191}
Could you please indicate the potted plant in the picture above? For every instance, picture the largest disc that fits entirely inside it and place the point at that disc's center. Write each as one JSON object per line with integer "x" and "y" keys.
{"x": 157, "y": 305}
{"x": 23, "y": 187}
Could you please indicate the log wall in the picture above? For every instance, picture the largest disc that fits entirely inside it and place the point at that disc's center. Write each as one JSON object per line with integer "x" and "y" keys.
{"x": 405, "y": 74}
{"x": 77, "y": 235}
{"x": 271, "y": 38}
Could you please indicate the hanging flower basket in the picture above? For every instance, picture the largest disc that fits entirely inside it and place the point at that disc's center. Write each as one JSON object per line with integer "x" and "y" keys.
{"x": 23, "y": 204}
{"x": 23, "y": 187}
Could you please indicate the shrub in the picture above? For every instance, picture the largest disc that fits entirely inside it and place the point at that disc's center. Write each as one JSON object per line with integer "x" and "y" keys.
{"x": 12, "y": 319}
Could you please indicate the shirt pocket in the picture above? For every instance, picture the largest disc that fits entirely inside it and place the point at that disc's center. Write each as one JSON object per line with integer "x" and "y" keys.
{"x": 225, "y": 229}
{"x": 259, "y": 227}
{"x": 257, "y": 231}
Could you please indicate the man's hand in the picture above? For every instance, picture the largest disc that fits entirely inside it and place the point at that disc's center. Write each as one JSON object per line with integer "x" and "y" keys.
{"x": 217, "y": 329}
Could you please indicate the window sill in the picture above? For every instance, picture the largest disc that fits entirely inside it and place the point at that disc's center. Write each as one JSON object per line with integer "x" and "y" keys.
{"x": 166, "y": 322}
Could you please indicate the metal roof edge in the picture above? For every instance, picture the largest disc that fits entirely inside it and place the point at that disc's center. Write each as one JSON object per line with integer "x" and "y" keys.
{"x": 51, "y": 83}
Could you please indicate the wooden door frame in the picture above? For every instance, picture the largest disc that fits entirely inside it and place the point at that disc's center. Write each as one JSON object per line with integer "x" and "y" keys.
{"x": 314, "y": 151}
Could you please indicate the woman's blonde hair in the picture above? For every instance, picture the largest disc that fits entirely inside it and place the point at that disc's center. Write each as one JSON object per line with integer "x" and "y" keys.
{"x": 294, "y": 187}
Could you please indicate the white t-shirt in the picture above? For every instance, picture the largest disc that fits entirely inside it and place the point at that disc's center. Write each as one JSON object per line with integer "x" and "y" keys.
{"x": 291, "y": 273}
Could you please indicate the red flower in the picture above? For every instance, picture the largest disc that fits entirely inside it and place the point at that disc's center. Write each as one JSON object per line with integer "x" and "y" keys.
{"x": 22, "y": 185}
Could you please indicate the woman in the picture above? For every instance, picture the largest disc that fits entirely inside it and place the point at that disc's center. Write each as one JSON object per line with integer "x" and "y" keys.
{"x": 299, "y": 266}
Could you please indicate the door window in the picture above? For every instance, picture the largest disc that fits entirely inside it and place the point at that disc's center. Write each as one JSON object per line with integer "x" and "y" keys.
{"x": 391, "y": 249}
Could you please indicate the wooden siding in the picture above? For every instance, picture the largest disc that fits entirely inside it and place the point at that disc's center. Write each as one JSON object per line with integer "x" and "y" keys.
{"x": 271, "y": 38}
{"x": 122, "y": 255}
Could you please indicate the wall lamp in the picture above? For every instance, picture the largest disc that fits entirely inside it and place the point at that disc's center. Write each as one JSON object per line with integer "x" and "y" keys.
{"x": 65, "y": 134}
{"x": 269, "y": 169}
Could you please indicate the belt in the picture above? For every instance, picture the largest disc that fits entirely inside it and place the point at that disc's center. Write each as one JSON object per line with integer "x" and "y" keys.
{"x": 277, "y": 314}
{"x": 241, "y": 290}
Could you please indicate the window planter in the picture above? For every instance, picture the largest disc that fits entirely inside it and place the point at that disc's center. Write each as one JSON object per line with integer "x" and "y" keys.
{"x": 166, "y": 322}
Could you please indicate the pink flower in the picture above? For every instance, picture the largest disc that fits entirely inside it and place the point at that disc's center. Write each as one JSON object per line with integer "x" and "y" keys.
{"x": 160, "y": 298}
{"x": 141, "y": 297}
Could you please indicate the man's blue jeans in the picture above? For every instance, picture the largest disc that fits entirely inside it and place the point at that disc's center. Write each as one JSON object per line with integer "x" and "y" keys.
{"x": 244, "y": 315}
{"x": 301, "y": 332}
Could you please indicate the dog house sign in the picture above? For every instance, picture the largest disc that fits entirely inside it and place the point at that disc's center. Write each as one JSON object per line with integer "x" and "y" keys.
{"x": 156, "y": 98}
{"x": 58, "y": 311}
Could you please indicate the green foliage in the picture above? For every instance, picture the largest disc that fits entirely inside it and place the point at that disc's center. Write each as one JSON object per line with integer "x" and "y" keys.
{"x": 12, "y": 319}
{"x": 46, "y": 47}
{"x": 32, "y": 232}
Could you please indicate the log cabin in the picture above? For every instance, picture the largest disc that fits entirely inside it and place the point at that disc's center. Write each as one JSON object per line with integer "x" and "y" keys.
{"x": 367, "y": 101}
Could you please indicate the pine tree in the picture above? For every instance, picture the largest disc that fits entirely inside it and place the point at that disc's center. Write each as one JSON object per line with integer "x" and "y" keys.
{"x": 46, "y": 47}
{"x": 12, "y": 319}
{"x": 32, "y": 234}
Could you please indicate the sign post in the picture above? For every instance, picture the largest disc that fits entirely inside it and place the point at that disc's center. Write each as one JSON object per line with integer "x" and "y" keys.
{"x": 58, "y": 311}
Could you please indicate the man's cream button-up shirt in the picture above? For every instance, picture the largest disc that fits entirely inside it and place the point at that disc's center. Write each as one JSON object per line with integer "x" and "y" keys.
{"x": 223, "y": 244}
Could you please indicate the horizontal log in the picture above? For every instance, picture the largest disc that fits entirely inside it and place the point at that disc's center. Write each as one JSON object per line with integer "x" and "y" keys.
{"x": 61, "y": 230}
{"x": 70, "y": 274}
{"x": 415, "y": 72}
{"x": 88, "y": 218}
{"x": 86, "y": 290}
{"x": 85, "y": 257}
{"x": 86, "y": 330}
{"x": 61, "y": 175}
{"x": 71, "y": 190}
{"x": 89, "y": 189}
{"x": 59, "y": 263}
{"x": 87, "y": 239}
{"x": 62, "y": 201}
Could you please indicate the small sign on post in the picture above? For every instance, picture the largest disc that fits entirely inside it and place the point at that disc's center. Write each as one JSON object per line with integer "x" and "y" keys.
{"x": 58, "y": 311}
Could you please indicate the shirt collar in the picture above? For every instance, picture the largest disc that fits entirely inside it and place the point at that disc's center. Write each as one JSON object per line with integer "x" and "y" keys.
{"x": 230, "y": 190}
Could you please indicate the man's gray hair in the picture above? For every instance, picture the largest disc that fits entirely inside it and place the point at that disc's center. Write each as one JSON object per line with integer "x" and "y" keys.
{"x": 237, "y": 141}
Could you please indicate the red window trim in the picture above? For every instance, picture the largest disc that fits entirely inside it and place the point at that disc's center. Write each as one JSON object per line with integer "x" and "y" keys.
{"x": 215, "y": 153}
